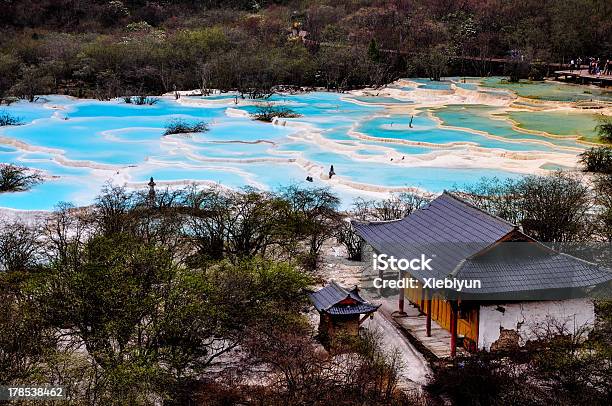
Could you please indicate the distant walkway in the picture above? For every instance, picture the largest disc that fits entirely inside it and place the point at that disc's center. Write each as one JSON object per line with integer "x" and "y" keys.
{"x": 583, "y": 76}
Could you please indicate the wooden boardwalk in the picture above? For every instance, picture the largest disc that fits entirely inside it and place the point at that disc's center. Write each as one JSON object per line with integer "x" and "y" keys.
{"x": 583, "y": 76}
{"x": 413, "y": 324}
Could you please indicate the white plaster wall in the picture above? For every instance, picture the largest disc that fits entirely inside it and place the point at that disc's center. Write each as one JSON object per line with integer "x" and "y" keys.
{"x": 528, "y": 317}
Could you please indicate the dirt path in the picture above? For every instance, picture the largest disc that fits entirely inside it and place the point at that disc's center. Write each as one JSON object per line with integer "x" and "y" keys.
{"x": 416, "y": 369}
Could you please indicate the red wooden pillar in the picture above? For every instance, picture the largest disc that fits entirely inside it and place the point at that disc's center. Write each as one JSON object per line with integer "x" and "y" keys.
{"x": 428, "y": 309}
{"x": 381, "y": 276}
{"x": 423, "y": 304}
{"x": 453, "y": 329}
{"x": 400, "y": 303}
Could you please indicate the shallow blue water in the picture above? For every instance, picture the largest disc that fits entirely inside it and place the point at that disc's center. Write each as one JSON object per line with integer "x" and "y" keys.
{"x": 468, "y": 86}
{"x": 424, "y": 129}
{"x": 381, "y": 100}
{"x": 125, "y": 143}
{"x": 432, "y": 84}
{"x": 169, "y": 173}
{"x": 164, "y": 107}
{"x": 26, "y": 112}
{"x": 431, "y": 179}
{"x": 47, "y": 195}
{"x": 477, "y": 118}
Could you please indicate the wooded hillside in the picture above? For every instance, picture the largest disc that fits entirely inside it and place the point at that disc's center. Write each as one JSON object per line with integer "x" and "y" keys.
{"x": 103, "y": 49}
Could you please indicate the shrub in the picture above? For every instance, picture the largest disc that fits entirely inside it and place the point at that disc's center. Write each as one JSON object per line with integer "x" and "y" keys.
{"x": 597, "y": 159}
{"x": 559, "y": 368}
{"x": 112, "y": 12}
{"x": 268, "y": 111}
{"x": 140, "y": 100}
{"x": 140, "y": 26}
{"x": 17, "y": 179}
{"x": 604, "y": 129}
{"x": 8, "y": 100}
{"x": 180, "y": 126}
{"x": 396, "y": 207}
{"x": 8, "y": 119}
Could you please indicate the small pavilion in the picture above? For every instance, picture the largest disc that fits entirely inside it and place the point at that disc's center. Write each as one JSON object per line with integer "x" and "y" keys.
{"x": 340, "y": 311}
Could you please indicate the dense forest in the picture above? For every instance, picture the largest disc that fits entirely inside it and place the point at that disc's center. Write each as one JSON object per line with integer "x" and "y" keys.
{"x": 104, "y": 49}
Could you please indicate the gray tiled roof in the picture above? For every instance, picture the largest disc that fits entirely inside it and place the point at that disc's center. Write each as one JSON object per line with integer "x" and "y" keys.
{"x": 327, "y": 299}
{"x": 551, "y": 271}
{"x": 465, "y": 243}
{"x": 447, "y": 228}
{"x": 359, "y": 309}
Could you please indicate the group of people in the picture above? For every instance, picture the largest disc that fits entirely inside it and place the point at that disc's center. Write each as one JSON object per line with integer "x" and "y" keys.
{"x": 595, "y": 65}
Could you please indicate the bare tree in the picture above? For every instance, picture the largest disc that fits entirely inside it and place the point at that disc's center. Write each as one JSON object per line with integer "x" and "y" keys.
{"x": 19, "y": 247}
{"x": 554, "y": 208}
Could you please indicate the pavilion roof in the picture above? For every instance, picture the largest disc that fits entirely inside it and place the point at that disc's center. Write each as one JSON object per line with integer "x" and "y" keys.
{"x": 330, "y": 300}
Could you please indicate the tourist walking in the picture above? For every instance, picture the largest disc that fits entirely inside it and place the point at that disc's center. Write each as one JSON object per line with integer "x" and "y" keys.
{"x": 331, "y": 171}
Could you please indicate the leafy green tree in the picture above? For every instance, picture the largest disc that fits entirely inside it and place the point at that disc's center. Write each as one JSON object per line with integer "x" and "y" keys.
{"x": 151, "y": 326}
{"x": 604, "y": 129}
{"x": 373, "y": 51}
{"x": 25, "y": 336}
{"x": 603, "y": 198}
{"x": 34, "y": 81}
{"x": 435, "y": 61}
{"x": 597, "y": 159}
{"x": 17, "y": 179}
{"x": 113, "y": 12}
{"x": 9, "y": 69}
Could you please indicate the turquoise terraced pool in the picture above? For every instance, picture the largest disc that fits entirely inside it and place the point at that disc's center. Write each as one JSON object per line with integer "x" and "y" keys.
{"x": 80, "y": 145}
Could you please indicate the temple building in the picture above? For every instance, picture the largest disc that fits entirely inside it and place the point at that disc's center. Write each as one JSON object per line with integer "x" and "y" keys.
{"x": 340, "y": 311}
{"x": 522, "y": 284}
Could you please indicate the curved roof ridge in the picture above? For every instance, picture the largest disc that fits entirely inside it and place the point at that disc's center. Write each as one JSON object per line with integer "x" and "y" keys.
{"x": 375, "y": 222}
{"x": 327, "y": 299}
{"x": 337, "y": 286}
{"x": 581, "y": 260}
